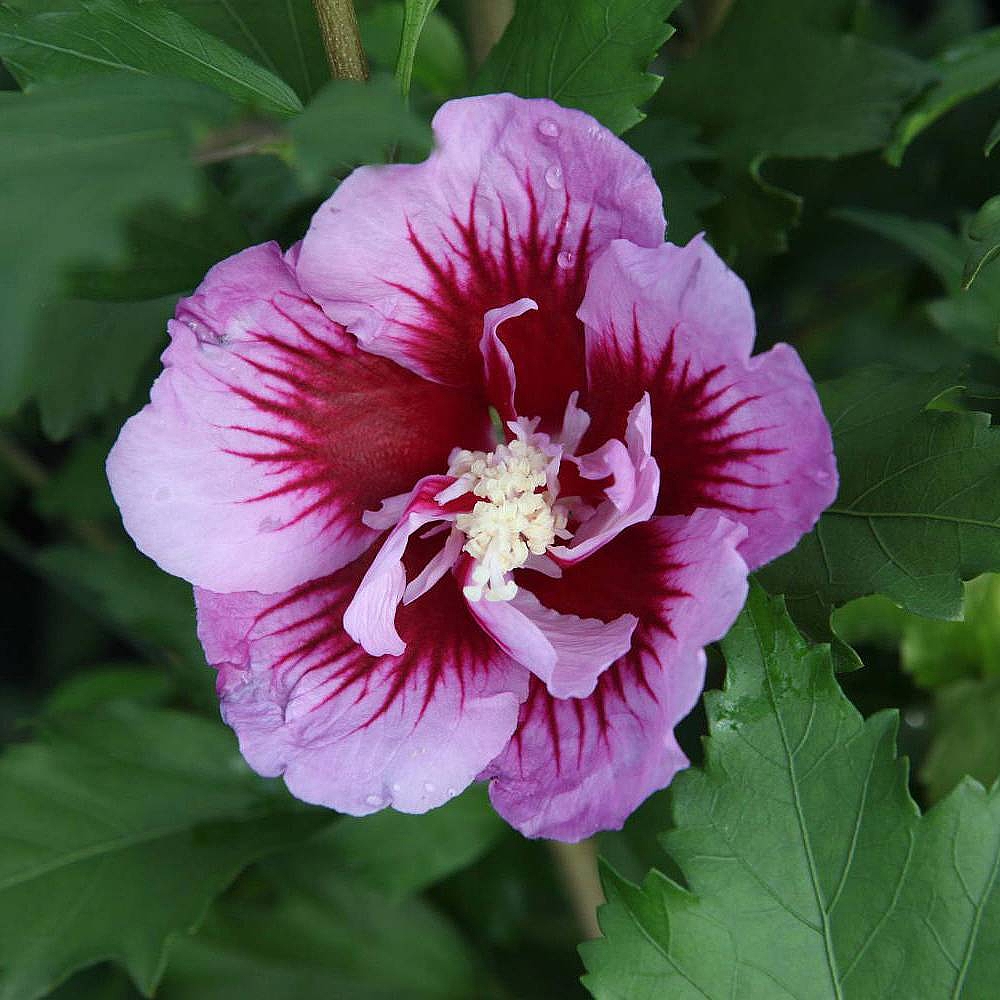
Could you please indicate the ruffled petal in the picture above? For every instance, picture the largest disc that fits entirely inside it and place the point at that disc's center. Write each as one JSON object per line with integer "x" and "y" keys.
{"x": 370, "y": 618}
{"x": 515, "y": 201}
{"x": 746, "y": 436}
{"x": 351, "y": 731}
{"x": 632, "y": 493}
{"x": 579, "y": 765}
{"x": 565, "y": 651}
{"x": 501, "y": 379}
{"x": 269, "y": 433}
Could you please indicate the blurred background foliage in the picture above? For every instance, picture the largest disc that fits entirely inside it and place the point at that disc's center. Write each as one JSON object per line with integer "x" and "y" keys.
{"x": 836, "y": 152}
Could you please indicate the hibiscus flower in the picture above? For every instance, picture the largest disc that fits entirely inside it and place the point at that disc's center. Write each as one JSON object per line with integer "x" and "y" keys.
{"x": 467, "y": 479}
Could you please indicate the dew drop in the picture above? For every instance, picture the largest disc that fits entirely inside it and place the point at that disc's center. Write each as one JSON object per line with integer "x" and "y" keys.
{"x": 565, "y": 258}
{"x": 452, "y": 792}
{"x": 397, "y": 787}
{"x": 373, "y": 800}
{"x": 553, "y": 177}
{"x": 428, "y": 787}
{"x": 548, "y": 127}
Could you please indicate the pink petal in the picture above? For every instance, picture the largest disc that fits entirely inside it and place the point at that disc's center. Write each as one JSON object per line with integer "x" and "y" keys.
{"x": 501, "y": 380}
{"x": 632, "y": 493}
{"x": 565, "y": 651}
{"x": 348, "y": 730}
{"x": 436, "y": 568}
{"x": 574, "y": 426}
{"x": 514, "y": 202}
{"x": 269, "y": 433}
{"x": 576, "y": 766}
{"x": 370, "y": 618}
{"x": 742, "y": 435}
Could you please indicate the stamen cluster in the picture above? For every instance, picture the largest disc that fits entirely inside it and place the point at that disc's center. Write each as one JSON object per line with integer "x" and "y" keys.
{"x": 516, "y": 516}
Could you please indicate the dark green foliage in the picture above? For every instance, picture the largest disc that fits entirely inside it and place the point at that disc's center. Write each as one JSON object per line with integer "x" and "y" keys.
{"x": 918, "y": 509}
{"x": 117, "y": 830}
{"x": 805, "y": 860}
{"x": 349, "y": 123}
{"x": 589, "y": 54}
{"x": 108, "y": 145}
{"x": 142, "y": 141}
{"x": 98, "y": 36}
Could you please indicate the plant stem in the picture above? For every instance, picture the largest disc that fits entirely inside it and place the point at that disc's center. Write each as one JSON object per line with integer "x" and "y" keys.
{"x": 487, "y": 20}
{"x": 244, "y": 139}
{"x": 577, "y": 867}
{"x": 338, "y": 25}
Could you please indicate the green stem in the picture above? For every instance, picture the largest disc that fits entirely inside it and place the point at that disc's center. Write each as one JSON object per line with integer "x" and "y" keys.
{"x": 338, "y": 25}
{"x": 577, "y": 867}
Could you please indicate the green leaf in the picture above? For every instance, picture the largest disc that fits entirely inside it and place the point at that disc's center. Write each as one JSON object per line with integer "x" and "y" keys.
{"x": 350, "y": 123}
{"x": 399, "y": 854}
{"x": 984, "y": 233}
{"x": 918, "y": 509}
{"x": 770, "y": 83}
{"x": 964, "y": 741}
{"x": 117, "y": 829}
{"x": 930, "y": 242}
{"x": 78, "y": 488}
{"x": 169, "y": 252}
{"x": 965, "y": 69}
{"x": 96, "y": 36}
{"x": 140, "y": 600}
{"x": 969, "y": 316}
{"x": 587, "y": 54}
{"x": 809, "y": 870}
{"x": 669, "y": 147}
{"x": 415, "y": 14}
{"x": 753, "y": 215}
{"x": 98, "y": 687}
{"x": 935, "y": 653}
{"x": 281, "y": 35}
{"x": 781, "y": 80}
{"x": 338, "y": 940}
{"x": 88, "y": 355}
{"x": 873, "y": 621}
{"x": 79, "y": 158}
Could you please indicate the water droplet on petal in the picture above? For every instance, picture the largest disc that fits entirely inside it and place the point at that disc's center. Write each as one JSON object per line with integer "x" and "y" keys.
{"x": 428, "y": 787}
{"x": 565, "y": 258}
{"x": 553, "y": 177}
{"x": 373, "y": 800}
{"x": 397, "y": 787}
{"x": 269, "y": 523}
{"x": 548, "y": 127}
{"x": 452, "y": 792}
